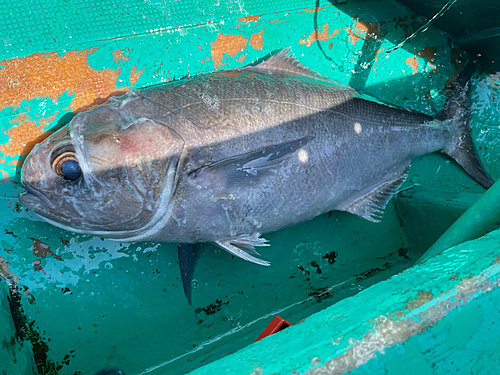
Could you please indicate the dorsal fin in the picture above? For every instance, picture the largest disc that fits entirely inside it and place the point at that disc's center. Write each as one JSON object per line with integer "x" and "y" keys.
{"x": 284, "y": 61}
{"x": 371, "y": 205}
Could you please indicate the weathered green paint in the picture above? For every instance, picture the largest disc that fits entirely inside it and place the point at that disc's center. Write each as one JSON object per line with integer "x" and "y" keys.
{"x": 475, "y": 222}
{"x": 437, "y": 318}
{"x": 101, "y": 302}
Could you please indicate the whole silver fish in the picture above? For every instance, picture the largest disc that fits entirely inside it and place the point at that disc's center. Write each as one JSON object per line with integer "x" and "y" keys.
{"x": 227, "y": 156}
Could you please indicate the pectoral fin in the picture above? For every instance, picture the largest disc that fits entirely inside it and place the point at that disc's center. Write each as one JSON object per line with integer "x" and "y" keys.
{"x": 371, "y": 205}
{"x": 244, "y": 246}
{"x": 188, "y": 255}
{"x": 251, "y": 167}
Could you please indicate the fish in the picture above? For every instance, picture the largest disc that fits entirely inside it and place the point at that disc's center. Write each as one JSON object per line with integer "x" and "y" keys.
{"x": 224, "y": 157}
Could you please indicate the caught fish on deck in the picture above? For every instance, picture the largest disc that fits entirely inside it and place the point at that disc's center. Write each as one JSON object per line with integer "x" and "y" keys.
{"x": 226, "y": 156}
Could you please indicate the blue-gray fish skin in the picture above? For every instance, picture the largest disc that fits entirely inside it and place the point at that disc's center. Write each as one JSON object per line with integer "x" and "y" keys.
{"x": 227, "y": 156}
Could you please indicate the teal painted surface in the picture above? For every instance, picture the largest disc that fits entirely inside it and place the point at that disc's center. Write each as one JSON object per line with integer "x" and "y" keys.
{"x": 475, "y": 222}
{"x": 435, "y": 318}
{"x": 96, "y": 302}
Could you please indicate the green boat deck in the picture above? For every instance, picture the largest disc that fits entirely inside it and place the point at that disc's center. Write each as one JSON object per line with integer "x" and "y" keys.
{"x": 74, "y": 304}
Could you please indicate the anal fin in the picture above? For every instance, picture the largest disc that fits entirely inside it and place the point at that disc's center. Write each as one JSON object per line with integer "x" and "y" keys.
{"x": 371, "y": 205}
{"x": 188, "y": 255}
{"x": 244, "y": 246}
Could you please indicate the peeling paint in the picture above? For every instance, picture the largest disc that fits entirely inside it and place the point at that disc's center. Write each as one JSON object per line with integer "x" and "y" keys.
{"x": 51, "y": 75}
{"x": 7, "y": 274}
{"x": 249, "y": 18}
{"x": 429, "y": 53}
{"x": 413, "y": 63}
{"x": 119, "y": 56}
{"x": 242, "y": 58}
{"x": 313, "y": 10}
{"x": 25, "y": 135}
{"x": 226, "y": 44}
{"x": 319, "y": 34}
{"x": 41, "y": 249}
{"x": 363, "y": 30}
{"x": 256, "y": 40}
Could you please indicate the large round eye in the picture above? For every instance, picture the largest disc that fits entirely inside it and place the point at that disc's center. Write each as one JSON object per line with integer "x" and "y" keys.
{"x": 66, "y": 165}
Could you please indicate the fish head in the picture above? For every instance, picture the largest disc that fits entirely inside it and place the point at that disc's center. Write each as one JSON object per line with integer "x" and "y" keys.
{"x": 104, "y": 174}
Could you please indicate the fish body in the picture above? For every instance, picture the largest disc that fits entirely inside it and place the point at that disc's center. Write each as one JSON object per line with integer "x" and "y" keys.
{"x": 229, "y": 155}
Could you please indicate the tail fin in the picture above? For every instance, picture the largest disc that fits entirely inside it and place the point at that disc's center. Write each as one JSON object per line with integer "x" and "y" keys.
{"x": 457, "y": 112}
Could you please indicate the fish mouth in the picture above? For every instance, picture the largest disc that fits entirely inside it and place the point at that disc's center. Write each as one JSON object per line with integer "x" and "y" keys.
{"x": 34, "y": 199}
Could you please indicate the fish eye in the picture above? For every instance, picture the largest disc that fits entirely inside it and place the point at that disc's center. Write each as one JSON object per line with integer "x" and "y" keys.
{"x": 66, "y": 165}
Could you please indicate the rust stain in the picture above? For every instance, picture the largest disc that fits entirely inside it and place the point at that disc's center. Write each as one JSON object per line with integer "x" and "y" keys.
{"x": 226, "y": 44}
{"x": 458, "y": 61}
{"x": 37, "y": 266}
{"x": 429, "y": 53}
{"x": 413, "y": 63}
{"x": 135, "y": 75}
{"x": 363, "y": 30}
{"x": 51, "y": 75}
{"x": 256, "y": 40}
{"x": 249, "y": 18}
{"x": 41, "y": 249}
{"x": 319, "y": 34}
{"x": 25, "y": 135}
{"x": 313, "y": 10}
{"x": 31, "y": 297}
{"x": 275, "y": 21}
{"x": 242, "y": 58}
{"x": 119, "y": 56}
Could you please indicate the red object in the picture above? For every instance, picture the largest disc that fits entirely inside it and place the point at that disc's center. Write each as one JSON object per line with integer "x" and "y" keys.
{"x": 276, "y": 325}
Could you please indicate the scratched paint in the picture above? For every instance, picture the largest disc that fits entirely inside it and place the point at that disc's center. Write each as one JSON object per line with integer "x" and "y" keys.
{"x": 256, "y": 40}
{"x": 229, "y": 45}
{"x": 412, "y": 62}
{"x": 93, "y": 274}
{"x": 320, "y": 34}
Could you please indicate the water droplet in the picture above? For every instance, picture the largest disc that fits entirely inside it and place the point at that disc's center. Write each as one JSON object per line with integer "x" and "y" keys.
{"x": 194, "y": 283}
{"x": 108, "y": 266}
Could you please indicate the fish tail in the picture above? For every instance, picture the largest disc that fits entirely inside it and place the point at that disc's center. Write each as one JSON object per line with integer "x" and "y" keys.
{"x": 457, "y": 112}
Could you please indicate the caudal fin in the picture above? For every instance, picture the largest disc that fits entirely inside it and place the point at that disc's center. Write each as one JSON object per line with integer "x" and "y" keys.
{"x": 457, "y": 112}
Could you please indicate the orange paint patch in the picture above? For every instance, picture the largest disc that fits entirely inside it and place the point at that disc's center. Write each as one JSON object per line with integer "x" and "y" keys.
{"x": 377, "y": 53}
{"x": 135, "y": 75}
{"x": 429, "y": 53}
{"x": 249, "y": 18}
{"x": 413, "y": 63}
{"x": 226, "y": 44}
{"x": 256, "y": 40}
{"x": 242, "y": 58}
{"x": 363, "y": 30}
{"x": 51, "y": 75}
{"x": 25, "y": 135}
{"x": 321, "y": 34}
{"x": 119, "y": 56}
{"x": 314, "y": 10}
